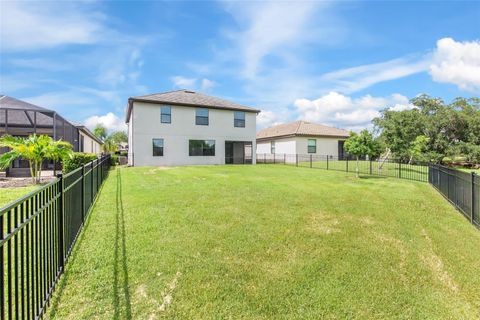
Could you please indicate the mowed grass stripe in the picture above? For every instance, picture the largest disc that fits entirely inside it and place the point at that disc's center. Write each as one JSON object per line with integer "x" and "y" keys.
{"x": 270, "y": 242}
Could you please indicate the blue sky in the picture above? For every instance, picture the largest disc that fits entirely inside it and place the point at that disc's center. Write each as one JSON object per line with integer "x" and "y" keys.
{"x": 336, "y": 63}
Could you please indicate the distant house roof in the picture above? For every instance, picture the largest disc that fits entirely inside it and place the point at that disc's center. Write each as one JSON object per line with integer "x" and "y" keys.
{"x": 187, "y": 98}
{"x": 87, "y": 131}
{"x": 301, "y": 128}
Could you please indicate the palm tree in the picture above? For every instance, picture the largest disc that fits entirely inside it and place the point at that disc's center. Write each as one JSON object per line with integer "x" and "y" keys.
{"x": 35, "y": 149}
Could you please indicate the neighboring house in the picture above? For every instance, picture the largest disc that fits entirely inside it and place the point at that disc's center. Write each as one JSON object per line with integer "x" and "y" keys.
{"x": 88, "y": 142}
{"x": 189, "y": 128}
{"x": 20, "y": 118}
{"x": 301, "y": 137}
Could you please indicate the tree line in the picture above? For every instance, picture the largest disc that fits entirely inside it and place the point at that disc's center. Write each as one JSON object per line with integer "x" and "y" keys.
{"x": 432, "y": 131}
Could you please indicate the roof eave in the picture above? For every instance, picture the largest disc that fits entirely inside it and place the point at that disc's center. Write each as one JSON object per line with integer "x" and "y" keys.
{"x": 131, "y": 100}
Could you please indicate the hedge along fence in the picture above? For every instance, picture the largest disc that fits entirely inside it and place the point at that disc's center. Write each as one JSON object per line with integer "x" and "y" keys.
{"x": 387, "y": 168}
{"x": 38, "y": 232}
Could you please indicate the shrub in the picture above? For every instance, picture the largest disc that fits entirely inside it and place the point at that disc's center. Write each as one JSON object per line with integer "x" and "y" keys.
{"x": 114, "y": 160}
{"x": 77, "y": 160}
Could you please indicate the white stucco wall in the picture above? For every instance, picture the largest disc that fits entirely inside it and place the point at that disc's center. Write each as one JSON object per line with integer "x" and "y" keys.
{"x": 130, "y": 141}
{"x": 145, "y": 125}
{"x": 90, "y": 145}
{"x": 294, "y": 145}
{"x": 325, "y": 145}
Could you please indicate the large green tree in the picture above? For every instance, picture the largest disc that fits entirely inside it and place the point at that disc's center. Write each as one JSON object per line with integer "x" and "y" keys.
{"x": 449, "y": 129}
{"x": 363, "y": 144}
{"x": 35, "y": 149}
{"x": 100, "y": 131}
{"x": 118, "y": 137}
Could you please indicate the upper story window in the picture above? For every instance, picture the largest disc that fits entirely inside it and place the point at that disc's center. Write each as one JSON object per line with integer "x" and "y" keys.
{"x": 272, "y": 147}
{"x": 201, "y": 116}
{"x": 239, "y": 119}
{"x": 166, "y": 114}
{"x": 157, "y": 145}
{"x": 312, "y": 146}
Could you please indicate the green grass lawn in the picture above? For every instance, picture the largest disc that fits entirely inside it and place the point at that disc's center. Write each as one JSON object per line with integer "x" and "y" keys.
{"x": 270, "y": 242}
{"x": 8, "y": 195}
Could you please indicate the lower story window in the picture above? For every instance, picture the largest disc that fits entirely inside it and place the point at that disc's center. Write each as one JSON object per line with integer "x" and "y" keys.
{"x": 201, "y": 147}
{"x": 312, "y": 146}
{"x": 157, "y": 147}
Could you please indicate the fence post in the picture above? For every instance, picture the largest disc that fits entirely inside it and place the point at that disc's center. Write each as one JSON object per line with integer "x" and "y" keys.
{"x": 274, "y": 158}
{"x": 370, "y": 166}
{"x": 327, "y": 162}
{"x": 60, "y": 213}
{"x": 347, "y": 164}
{"x": 310, "y": 161}
{"x": 472, "y": 175}
{"x": 83, "y": 192}
{"x": 91, "y": 180}
{"x": 400, "y": 169}
{"x": 284, "y": 158}
{"x": 264, "y": 158}
{"x": 296, "y": 159}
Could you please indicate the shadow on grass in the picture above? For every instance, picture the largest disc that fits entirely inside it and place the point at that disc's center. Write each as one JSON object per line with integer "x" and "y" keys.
{"x": 120, "y": 259}
{"x": 372, "y": 177}
{"x": 60, "y": 287}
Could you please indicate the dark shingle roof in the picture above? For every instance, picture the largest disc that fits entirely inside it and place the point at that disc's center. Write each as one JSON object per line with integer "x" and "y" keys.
{"x": 187, "y": 98}
{"x": 301, "y": 128}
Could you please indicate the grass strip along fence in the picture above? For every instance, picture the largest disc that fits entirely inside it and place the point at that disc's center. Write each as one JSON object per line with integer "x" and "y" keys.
{"x": 38, "y": 232}
{"x": 387, "y": 168}
{"x": 462, "y": 189}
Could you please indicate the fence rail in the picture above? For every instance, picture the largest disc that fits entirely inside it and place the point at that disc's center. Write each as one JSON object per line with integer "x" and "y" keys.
{"x": 38, "y": 232}
{"x": 462, "y": 189}
{"x": 388, "y": 168}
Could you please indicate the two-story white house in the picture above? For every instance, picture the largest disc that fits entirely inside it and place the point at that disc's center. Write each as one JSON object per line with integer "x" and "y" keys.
{"x": 184, "y": 127}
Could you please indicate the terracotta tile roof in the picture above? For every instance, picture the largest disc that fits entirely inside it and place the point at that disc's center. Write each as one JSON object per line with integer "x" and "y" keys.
{"x": 301, "y": 128}
{"x": 187, "y": 98}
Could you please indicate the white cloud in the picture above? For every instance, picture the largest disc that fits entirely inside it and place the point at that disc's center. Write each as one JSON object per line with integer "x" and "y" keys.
{"x": 269, "y": 118}
{"x": 110, "y": 121}
{"x": 30, "y": 25}
{"x": 357, "y": 78}
{"x": 274, "y": 29}
{"x": 184, "y": 82}
{"x": 193, "y": 83}
{"x": 207, "y": 84}
{"x": 344, "y": 111}
{"x": 457, "y": 63}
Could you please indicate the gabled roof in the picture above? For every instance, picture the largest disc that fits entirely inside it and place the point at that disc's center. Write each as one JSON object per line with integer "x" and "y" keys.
{"x": 187, "y": 98}
{"x": 301, "y": 128}
{"x": 87, "y": 131}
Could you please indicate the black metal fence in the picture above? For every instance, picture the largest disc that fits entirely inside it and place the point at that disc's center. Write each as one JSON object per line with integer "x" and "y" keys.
{"x": 38, "y": 232}
{"x": 462, "y": 189}
{"x": 388, "y": 168}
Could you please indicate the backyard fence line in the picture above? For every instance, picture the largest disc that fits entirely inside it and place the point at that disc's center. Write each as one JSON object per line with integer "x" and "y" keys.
{"x": 38, "y": 232}
{"x": 388, "y": 168}
{"x": 461, "y": 189}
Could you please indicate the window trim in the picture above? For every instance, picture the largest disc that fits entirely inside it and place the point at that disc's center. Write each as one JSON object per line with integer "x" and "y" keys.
{"x": 162, "y": 147}
{"x": 190, "y": 153}
{"x": 239, "y": 120}
{"x": 314, "y": 146}
{"x": 166, "y": 114}
{"x": 202, "y": 117}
